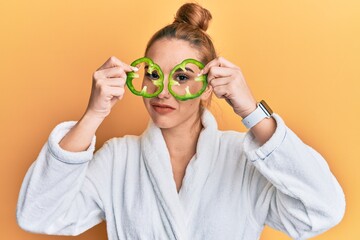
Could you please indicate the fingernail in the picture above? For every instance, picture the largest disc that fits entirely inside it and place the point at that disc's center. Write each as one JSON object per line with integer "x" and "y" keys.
{"x": 200, "y": 73}
{"x": 135, "y": 69}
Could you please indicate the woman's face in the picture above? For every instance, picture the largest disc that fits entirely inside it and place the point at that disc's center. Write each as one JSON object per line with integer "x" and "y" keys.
{"x": 165, "y": 110}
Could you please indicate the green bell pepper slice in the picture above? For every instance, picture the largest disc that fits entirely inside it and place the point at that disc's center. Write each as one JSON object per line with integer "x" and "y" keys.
{"x": 201, "y": 78}
{"x": 151, "y": 68}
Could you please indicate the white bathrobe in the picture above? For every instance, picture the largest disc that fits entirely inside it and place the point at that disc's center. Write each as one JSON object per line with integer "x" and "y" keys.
{"x": 232, "y": 187}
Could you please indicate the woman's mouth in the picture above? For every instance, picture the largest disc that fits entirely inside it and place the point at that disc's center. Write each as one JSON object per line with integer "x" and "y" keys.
{"x": 162, "y": 108}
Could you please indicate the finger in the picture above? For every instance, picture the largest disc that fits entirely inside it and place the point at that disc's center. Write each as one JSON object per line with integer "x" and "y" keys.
{"x": 215, "y": 82}
{"x": 223, "y": 62}
{"x": 221, "y": 91}
{"x": 115, "y": 62}
{"x": 113, "y": 72}
{"x": 218, "y": 62}
{"x": 114, "y": 99}
{"x": 116, "y": 91}
{"x": 219, "y": 72}
{"x": 115, "y": 82}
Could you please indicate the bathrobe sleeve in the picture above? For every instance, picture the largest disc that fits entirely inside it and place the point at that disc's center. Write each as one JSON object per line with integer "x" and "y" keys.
{"x": 292, "y": 188}
{"x": 57, "y": 195}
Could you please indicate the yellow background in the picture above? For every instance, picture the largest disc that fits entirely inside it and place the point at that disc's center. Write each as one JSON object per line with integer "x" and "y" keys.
{"x": 303, "y": 57}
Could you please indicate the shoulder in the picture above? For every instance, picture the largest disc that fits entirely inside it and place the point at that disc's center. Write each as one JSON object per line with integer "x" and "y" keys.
{"x": 120, "y": 144}
{"x": 114, "y": 153}
{"x": 116, "y": 147}
{"x": 124, "y": 140}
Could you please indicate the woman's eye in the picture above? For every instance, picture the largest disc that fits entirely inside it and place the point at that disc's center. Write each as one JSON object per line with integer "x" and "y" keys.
{"x": 181, "y": 78}
{"x": 152, "y": 76}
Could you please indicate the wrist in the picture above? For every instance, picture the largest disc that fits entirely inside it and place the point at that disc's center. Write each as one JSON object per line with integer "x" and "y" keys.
{"x": 243, "y": 113}
{"x": 94, "y": 115}
{"x": 261, "y": 111}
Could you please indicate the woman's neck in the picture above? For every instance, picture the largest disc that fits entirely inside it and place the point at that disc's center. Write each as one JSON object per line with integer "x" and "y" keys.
{"x": 182, "y": 140}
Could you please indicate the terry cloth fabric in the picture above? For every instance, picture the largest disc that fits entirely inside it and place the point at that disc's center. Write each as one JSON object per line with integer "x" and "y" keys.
{"x": 232, "y": 187}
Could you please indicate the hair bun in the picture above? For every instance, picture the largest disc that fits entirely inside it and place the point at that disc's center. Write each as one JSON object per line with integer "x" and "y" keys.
{"x": 193, "y": 14}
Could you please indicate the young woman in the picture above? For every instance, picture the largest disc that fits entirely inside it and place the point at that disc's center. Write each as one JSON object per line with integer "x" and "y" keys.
{"x": 182, "y": 178}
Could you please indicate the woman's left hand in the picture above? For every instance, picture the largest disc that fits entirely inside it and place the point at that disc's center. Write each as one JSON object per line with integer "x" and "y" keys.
{"x": 228, "y": 82}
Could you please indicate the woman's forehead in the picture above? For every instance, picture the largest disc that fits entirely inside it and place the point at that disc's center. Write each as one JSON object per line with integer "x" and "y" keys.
{"x": 167, "y": 53}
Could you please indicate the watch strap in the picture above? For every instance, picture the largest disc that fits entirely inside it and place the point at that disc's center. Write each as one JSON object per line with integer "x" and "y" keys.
{"x": 262, "y": 111}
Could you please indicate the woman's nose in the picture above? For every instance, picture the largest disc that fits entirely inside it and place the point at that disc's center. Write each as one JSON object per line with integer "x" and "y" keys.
{"x": 165, "y": 92}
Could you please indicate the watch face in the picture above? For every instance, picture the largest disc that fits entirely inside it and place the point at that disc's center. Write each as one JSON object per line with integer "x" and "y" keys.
{"x": 266, "y": 107}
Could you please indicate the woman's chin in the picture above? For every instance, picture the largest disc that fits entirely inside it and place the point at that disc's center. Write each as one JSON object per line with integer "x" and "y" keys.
{"x": 162, "y": 123}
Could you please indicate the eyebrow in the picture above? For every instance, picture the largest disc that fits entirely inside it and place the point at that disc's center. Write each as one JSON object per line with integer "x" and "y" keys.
{"x": 178, "y": 70}
{"x": 187, "y": 69}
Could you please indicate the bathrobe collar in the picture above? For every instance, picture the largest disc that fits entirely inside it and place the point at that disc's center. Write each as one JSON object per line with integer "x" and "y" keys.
{"x": 179, "y": 207}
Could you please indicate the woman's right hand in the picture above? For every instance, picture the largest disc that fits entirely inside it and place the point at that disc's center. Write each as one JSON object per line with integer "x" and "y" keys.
{"x": 108, "y": 85}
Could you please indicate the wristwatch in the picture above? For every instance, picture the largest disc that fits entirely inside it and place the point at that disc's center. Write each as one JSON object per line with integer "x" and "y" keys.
{"x": 262, "y": 111}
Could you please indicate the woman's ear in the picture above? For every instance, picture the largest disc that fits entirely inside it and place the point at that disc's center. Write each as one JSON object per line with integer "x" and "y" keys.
{"x": 207, "y": 93}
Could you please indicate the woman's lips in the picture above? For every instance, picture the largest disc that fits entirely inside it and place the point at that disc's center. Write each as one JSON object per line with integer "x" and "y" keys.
{"x": 162, "y": 108}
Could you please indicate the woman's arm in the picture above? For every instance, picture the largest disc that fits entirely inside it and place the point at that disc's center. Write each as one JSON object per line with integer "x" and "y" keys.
{"x": 58, "y": 195}
{"x": 292, "y": 188}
